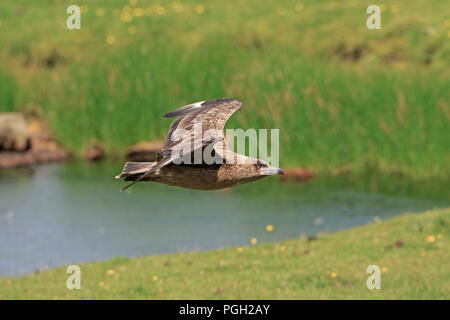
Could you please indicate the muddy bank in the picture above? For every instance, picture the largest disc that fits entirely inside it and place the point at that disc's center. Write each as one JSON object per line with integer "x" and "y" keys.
{"x": 297, "y": 173}
{"x": 25, "y": 140}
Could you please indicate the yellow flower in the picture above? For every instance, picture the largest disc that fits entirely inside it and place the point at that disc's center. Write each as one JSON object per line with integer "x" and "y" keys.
{"x": 269, "y": 228}
{"x": 110, "y": 272}
{"x": 106, "y": 287}
{"x": 138, "y": 12}
{"x": 100, "y": 12}
{"x": 110, "y": 39}
{"x": 84, "y": 8}
{"x": 282, "y": 248}
{"x": 394, "y": 8}
{"x": 131, "y": 29}
{"x": 177, "y": 7}
{"x": 160, "y": 11}
{"x": 200, "y": 9}
{"x": 155, "y": 278}
{"x": 101, "y": 283}
{"x": 299, "y": 6}
{"x": 333, "y": 274}
{"x": 254, "y": 241}
{"x": 123, "y": 268}
{"x": 127, "y": 17}
{"x": 133, "y": 2}
{"x": 376, "y": 240}
{"x": 281, "y": 12}
{"x": 240, "y": 249}
{"x": 447, "y": 23}
{"x": 384, "y": 269}
{"x": 430, "y": 239}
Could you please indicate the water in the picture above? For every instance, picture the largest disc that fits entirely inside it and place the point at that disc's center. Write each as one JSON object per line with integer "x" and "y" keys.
{"x": 55, "y": 215}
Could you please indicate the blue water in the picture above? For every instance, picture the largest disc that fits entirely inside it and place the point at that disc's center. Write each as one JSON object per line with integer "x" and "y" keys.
{"x": 55, "y": 215}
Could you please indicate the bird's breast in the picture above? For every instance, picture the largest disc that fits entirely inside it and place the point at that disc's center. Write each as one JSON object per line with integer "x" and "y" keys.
{"x": 200, "y": 177}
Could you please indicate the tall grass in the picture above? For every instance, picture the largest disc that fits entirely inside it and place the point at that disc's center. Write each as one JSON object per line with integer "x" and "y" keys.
{"x": 7, "y": 92}
{"x": 339, "y": 93}
{"x": 328, "y": 116}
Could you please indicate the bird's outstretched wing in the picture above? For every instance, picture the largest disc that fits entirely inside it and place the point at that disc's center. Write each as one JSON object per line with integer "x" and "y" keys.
{"x": 183, "y": 138}
{"x": 211, "y": 115}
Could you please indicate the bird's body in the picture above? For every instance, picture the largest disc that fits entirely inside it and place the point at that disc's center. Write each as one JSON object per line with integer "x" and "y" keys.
{"x": 201, "y": 177}
{"x": 229, "y": 168}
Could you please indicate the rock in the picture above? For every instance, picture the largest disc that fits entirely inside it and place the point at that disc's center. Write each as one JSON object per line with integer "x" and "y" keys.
{"x": 299, "y": 173}
{"x": 13, "y": 132}
{"x": 399, "y": 243}
{"x": 144, "y": 151}
{"x": 12, "y": 159}
{"x": 94, "y": 154}
{"x": 41, "y": 148}
{"x": 49, "y": 152}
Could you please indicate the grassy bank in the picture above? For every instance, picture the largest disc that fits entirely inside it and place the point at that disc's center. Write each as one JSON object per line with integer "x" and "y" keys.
{"x": 339, "y": 93}
{"x": 411, "y": 250}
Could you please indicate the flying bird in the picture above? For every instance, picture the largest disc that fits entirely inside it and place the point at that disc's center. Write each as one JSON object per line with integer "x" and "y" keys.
{"x": 232, "y": 168}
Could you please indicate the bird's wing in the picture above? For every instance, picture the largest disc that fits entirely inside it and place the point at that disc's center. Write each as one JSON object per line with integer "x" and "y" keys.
{"x": 187, "y": 132}
{"x": 210, "y": 114}
{"x": 206, "y": 116}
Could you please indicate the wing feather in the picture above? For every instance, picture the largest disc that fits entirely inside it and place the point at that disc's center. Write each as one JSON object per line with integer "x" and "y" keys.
{"x": 212, "y": 114}
{"x": 183, "y": 110}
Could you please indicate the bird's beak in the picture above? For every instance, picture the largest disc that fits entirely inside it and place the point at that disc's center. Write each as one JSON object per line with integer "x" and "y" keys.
{"x": 270, "y": 171}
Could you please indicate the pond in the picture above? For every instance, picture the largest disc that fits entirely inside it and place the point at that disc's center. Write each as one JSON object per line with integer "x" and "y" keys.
{"x": 53, "y": 215}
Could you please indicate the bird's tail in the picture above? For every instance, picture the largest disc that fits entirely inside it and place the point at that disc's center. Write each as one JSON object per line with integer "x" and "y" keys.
{"x": 135, "y": 168}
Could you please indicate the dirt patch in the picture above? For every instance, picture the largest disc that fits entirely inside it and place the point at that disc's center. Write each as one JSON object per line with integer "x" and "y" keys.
{"x": 352, "y": 52}
{"x": 41, "y": 149}
{"x": 299, "y": 174}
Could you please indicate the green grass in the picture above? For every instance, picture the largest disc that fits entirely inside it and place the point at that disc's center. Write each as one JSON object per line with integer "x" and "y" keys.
{"x": 332, "y": 267}
{"x": 339, "y": 93}
{"x": 7, "y": 91}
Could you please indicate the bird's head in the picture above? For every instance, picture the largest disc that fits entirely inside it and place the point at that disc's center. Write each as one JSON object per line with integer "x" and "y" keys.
{"x": 247, "y": 172}
{"x": 264, "y": 169}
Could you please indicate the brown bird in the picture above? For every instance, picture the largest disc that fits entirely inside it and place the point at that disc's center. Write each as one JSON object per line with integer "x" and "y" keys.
{"x": 228, "y": 168}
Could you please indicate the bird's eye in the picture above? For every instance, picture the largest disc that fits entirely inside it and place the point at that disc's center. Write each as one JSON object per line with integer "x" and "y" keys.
{"x": 259, "y": 164}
